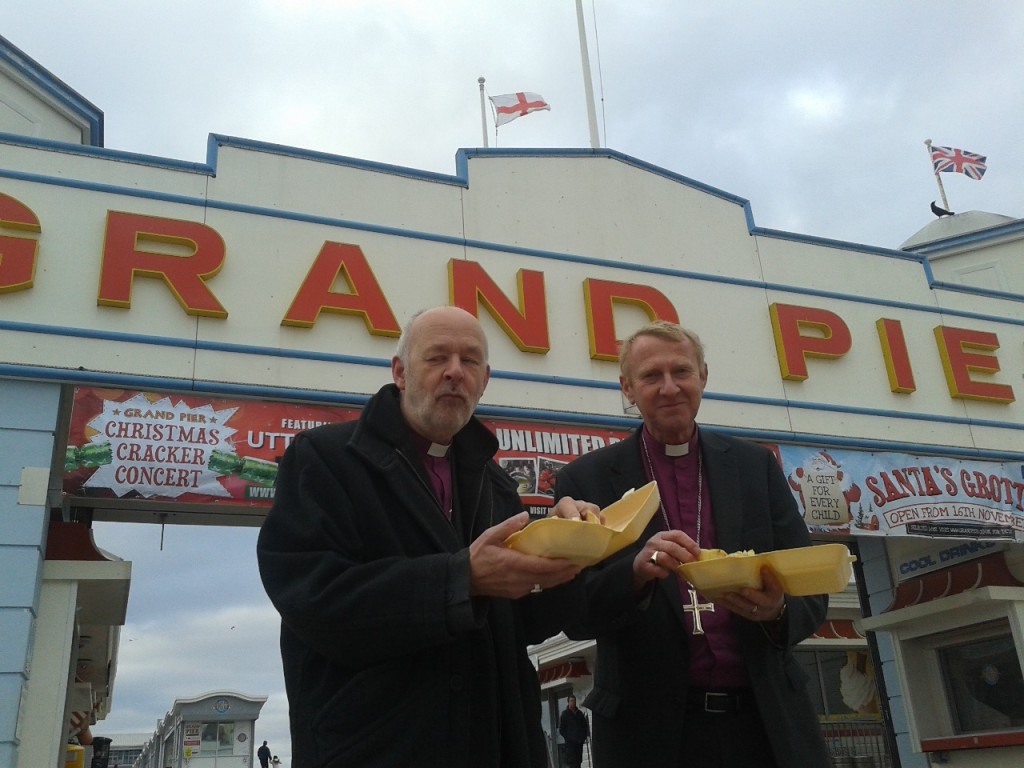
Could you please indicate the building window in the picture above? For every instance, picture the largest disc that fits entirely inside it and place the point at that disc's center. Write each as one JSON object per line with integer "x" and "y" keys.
{"x": 845, "y": 696}
{"x": 960, "y": 660}
{"x": 843, "y": 682}
{"x": 218, "y": 739}
{"x": 982, "y": 678}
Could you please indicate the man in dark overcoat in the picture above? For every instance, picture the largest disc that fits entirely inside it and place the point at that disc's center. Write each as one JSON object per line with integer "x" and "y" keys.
{"x": 682, "y": 680}
{"x": 404, "y": 619}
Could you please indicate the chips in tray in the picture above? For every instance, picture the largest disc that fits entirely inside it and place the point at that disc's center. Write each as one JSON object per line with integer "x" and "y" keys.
{"x": 586, "y": 542}
{"x": 814, "y": 570}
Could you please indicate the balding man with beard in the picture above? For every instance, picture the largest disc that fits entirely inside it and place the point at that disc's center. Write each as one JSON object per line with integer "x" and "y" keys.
{"x": 404, "y": 619}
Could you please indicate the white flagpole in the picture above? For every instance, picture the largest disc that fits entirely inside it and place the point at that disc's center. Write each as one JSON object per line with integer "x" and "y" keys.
{"x": 588, "y": 86}
{"x": 938, "y": 179}
{"x": 483, "y": 110}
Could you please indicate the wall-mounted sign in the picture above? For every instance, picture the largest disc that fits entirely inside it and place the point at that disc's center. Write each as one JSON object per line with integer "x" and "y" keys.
{"x": 886, "y": 494}
{"x": 157, "y": 447}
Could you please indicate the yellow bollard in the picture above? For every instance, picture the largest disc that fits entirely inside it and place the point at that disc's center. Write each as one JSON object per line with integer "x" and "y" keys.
{"x": 75, "y": 757}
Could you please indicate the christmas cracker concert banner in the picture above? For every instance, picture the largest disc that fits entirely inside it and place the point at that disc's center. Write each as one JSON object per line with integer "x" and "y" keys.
{"x": 196, "y": 449}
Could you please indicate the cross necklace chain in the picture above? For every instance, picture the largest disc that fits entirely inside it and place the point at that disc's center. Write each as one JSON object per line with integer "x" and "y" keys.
{"x": 694, "y": 607}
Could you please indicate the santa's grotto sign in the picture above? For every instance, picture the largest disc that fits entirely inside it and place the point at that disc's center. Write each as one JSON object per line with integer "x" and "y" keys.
{"x": 896, "y": 494}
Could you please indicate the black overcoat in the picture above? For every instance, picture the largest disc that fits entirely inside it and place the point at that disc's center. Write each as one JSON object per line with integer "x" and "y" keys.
{"x": 387, "y": 659}
{"x": 640, "y": 680}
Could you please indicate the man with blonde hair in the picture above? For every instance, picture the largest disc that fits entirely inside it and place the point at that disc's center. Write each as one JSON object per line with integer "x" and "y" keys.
{"x": 681, "y": 680}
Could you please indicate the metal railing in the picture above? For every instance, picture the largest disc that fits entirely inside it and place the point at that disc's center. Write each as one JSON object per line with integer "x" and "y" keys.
{"x": 856, "y": 743}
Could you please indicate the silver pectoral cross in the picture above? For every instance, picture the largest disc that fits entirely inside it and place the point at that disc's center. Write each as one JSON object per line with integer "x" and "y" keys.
{"x": 696, "y": 609}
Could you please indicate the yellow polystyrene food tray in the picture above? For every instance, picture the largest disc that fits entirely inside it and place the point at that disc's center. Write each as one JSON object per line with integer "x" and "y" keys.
{"x": 815, "y": 570}
{"x": 584, "y": 543}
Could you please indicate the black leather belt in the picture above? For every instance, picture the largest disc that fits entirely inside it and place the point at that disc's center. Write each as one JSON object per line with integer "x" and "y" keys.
{"x": 717, "y": 702}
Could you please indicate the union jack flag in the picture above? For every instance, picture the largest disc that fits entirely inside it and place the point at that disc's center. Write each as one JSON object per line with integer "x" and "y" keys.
{"x": 950, "y": 160}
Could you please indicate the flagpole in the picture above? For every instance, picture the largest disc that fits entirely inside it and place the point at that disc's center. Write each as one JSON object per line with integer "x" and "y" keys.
{"x": 483, "y": 110}
{"x": 588, "y": 86}
{"x": 938, "y": 179}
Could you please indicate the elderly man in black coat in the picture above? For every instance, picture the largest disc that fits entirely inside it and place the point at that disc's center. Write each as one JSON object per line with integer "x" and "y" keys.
{"x": 404, "y": 619}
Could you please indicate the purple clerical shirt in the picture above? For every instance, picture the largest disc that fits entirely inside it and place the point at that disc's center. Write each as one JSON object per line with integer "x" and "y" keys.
{"x": 715, "y": 660}
{"x": 439, "y": 470}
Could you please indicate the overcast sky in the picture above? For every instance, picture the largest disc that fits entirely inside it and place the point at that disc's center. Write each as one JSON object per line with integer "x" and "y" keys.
{"x": 816, "y": 112}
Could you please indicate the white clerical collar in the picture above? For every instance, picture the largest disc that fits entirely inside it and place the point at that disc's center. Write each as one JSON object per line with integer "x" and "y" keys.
{"x": 437, "y": 450}
{"x": 674, "y": 450}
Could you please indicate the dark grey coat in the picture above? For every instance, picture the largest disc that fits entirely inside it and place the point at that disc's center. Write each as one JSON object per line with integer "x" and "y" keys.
{"x": 639, "y": 694}
{"x": 388, "y": 661}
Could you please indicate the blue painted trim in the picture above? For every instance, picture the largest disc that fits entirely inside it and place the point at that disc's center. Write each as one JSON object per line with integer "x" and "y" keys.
{"x": 115, "y": 155}
{"x": 216, "y": 141}
{"x": 970, "y": 238}
{"x": 564, "y": 381}
{"x": 334, "y": 358}
{"x": 137, "y": 381}
{"x": 208, "y": 346}
{"x": 464, "y": 155}
{"x": 88, "y": 333}
{"x": 976, "y": 291}
{"x": 859, "y": 411}
{"x": 55, "y": 88}
{"x": 928, "y": 273}
{"x": 826, "y": 242}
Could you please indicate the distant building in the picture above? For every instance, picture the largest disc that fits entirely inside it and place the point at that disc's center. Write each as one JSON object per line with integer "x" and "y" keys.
{"x": 214, "y": 730}
{"x": 125, "y": 748}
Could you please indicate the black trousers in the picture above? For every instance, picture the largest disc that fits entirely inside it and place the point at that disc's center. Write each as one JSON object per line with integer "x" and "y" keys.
{"x": 722, "y": 732}
{"x": 573, "y": 755}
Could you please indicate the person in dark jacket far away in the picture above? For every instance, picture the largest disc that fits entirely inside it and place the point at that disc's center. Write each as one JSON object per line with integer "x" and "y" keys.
{"x": 404, "y": 619}
{"x": 574, "y": 728}
{"x": 263, "y": 754}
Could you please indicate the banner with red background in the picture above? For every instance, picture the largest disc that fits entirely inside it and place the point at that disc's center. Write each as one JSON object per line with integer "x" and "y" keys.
{"x": 196, "y": 449}
{"x": 186, "y": 448}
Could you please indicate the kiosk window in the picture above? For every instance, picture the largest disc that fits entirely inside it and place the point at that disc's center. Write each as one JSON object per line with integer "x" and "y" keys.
{"x": 982, "y": 677}
{"x": 217, "y": 739}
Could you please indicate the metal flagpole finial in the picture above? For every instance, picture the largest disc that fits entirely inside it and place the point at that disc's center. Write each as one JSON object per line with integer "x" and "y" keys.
{"x": 483, "y": 110}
